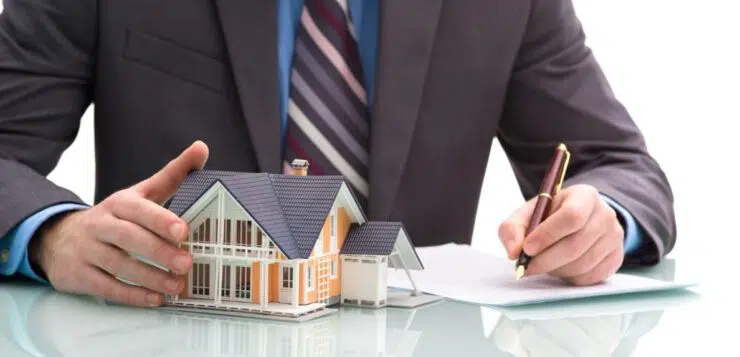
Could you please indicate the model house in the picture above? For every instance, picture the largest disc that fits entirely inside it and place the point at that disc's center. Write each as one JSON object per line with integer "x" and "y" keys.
{"x": 284, "y": 244}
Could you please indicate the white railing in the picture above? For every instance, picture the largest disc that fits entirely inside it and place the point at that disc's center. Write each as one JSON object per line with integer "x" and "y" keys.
{"x": 223, "y": 250}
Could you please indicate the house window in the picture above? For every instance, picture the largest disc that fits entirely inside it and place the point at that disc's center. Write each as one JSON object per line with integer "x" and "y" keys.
{"x": 248, "y": 230}
{"x": 287, "y": 277}
{"x": 208, "y": 230}
{"x": 242, "y": 232}
{"x": 243, "y": 283}
{"x": 333, "y": 271}
{"x": 259, "y": 237}
{"x": 333, "y": 239}
{"x": 201, "y": 280}
{"x": 226, "y": 281}
{"x": 333, "y": 224}
{"x": 227, "y": 233}
{"x": 309, "y": 277}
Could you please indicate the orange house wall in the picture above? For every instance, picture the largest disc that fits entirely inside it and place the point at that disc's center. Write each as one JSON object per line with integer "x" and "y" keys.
{"x": 343, "y": 224}
{"x": 255, "y": 283}
{"x": 335, "y": 286}
{"x": 327, "y": 235}
{"x": 274, "y": 285}
{"x": 312, "y": 295}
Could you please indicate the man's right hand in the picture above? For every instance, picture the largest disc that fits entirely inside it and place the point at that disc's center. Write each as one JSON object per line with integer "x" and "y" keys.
{"x": 85, "y": 251}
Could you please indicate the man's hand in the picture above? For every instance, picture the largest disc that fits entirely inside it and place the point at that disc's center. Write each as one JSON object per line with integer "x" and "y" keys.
{"x": 85, "y": 251}
{"x": 581, "y": 241}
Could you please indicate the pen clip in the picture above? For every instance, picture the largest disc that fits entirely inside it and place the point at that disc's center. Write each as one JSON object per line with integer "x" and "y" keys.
{"x": 562, "y": 173}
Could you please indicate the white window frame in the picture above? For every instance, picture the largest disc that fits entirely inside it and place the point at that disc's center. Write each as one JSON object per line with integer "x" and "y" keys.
{"x": 310, "y": 278}
{"x": 333, "y": 269}
{"x": 333, "y": 230}
{"x": 198, "y": 274}
{"x": 289, "y": 280}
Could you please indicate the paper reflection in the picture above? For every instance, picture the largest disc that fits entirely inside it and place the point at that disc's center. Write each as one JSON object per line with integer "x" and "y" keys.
{"x": 580, "y": 336}
{"x": 610, "y": 326}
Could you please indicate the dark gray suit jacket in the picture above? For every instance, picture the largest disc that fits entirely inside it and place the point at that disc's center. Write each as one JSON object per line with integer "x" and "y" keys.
{"x": 451, "y": 76}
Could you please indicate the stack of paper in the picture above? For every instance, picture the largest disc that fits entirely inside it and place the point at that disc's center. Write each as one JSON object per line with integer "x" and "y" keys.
{"x": 459, "y": 272}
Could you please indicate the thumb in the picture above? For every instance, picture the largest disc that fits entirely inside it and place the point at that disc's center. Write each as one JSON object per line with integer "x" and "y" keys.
{"x": 512, "y": 229}
{"x": 163, "y": 184}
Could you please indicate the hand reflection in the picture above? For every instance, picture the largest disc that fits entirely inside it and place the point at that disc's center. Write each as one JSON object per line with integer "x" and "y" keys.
{"x": 592, "y": 336}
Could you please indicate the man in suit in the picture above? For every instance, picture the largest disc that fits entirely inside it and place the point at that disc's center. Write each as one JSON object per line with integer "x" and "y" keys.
{"x": 402, "y": 97}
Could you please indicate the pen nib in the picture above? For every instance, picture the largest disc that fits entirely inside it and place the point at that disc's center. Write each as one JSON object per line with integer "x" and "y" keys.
{"x": 519, "y": 272}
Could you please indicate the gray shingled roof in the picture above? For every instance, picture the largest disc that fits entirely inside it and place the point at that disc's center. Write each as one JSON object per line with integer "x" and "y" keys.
{"x": 291, "y": 209}
{"x": 373, "y": 238}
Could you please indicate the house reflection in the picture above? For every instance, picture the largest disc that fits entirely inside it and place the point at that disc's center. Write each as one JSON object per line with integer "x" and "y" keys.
{"x": 350, "y": 332}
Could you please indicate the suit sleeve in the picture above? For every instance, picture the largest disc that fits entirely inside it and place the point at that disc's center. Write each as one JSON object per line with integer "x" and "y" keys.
{"x": 46, "y": 66}
{"x": 558, "y": 93}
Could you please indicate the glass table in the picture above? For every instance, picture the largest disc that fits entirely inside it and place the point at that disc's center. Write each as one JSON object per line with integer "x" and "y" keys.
{"x": 36, "y": 321}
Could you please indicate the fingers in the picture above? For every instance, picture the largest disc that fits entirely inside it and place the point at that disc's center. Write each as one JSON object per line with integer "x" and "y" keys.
{"x": 568, "y": 250}
{"x": 577, "y": 248}
{"x": 569, "y": 215}
{"x": 132, "y": 238}
{"x": 162, "y": 185}
{"x": 608, "y": 266}
{"x": 121, "y": 265}
{"x": 127, "y": 206}
{"x": 98, "y": 283}
{"x": 511, "y": 231}
{"x": 585, "y": 261}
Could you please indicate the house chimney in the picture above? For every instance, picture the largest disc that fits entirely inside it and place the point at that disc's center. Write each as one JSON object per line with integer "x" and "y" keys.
{"x": 300, "y": 167}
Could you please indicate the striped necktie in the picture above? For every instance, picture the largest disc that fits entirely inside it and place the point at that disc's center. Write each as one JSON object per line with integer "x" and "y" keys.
{"x": 327, "y": 109}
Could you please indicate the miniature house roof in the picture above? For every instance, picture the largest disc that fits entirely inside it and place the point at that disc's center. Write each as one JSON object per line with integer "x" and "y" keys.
{"x": 290, "y": 208}
{"x": 380, "y": 238}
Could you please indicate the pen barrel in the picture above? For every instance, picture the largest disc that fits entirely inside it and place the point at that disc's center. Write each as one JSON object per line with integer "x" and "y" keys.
{"x": 541, "y": 209}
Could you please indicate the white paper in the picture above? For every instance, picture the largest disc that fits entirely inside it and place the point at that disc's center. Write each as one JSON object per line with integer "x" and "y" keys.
{"x": 459, "y": 272}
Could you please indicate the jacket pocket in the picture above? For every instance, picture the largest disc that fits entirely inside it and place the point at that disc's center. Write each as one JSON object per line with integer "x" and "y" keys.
{"x": 176, "y": 60}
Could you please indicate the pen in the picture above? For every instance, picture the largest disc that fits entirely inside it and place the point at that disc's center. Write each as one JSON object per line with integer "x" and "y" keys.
{"x": 550, "y": 186}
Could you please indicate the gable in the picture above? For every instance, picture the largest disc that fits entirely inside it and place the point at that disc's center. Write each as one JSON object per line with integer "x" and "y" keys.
{"x": 291, "y": 210}
{"x": 230, "y": 203}
{"x": 306, "y": 202}
{"x": 383, "y": 239}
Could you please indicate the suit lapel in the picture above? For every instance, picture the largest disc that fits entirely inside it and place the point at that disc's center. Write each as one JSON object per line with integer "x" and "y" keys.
{"x": 407, "y": 31}
{"x": 250, "y": 31}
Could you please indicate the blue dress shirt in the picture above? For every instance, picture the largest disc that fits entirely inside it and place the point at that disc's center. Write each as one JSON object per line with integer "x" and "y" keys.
{"x": 365, "y": 18}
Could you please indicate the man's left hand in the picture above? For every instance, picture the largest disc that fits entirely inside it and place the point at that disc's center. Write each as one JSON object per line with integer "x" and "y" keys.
{"x": 581, "y": 241}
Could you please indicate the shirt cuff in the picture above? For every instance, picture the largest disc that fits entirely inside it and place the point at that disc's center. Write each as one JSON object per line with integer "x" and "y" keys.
{"x": 14, "y": 247}
{"x": 632, "y": 233}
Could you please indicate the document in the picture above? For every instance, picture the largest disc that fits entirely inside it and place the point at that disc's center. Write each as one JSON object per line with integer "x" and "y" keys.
{"x": 459, "y": 272}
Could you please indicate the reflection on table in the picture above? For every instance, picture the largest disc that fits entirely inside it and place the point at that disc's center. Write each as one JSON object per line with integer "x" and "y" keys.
{"x": 45, "y": 323}
{"x": 37, "y": 321}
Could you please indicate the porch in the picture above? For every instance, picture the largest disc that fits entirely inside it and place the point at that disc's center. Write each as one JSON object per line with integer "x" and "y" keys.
{"x": 272, "y": 309}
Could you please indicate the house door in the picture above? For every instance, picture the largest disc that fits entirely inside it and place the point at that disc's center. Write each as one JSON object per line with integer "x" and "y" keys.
{"x": 236, "y": 283}
{"x": 286, "y": 285}
{"x": 200, "y": 281}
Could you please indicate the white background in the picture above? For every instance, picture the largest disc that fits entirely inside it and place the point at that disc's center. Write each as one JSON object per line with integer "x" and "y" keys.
{"x": 675, "y": 65}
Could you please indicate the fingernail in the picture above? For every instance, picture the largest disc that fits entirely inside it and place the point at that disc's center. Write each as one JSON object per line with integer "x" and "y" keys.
{"x": 173, "y": 286}
{"x": 152, "y": 299}
{"x": 181, "y": 263}
{"x": 176, "y": 230}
